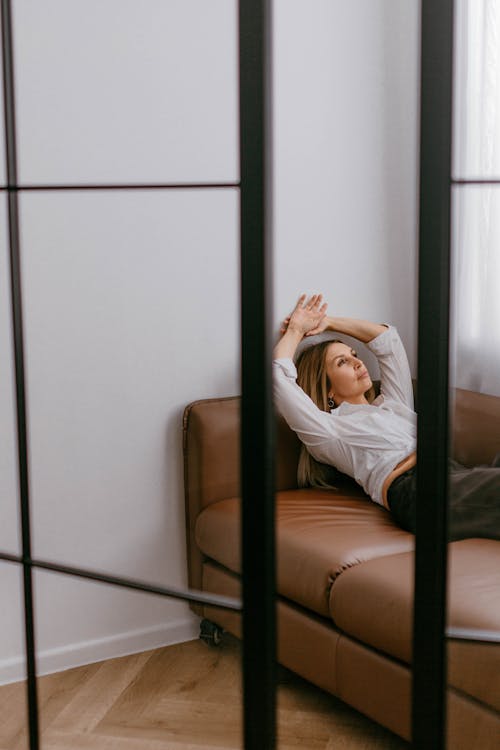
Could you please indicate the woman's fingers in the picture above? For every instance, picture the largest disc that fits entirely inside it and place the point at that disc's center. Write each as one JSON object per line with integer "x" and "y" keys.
{"x": 308, "y": 315}
{"x": 320, "y": 315}
{"x": 284, "y": 325}
{"x": 300, "y": 301}
{"x": 313, "y": 301}
{"x": 317, "y": 306}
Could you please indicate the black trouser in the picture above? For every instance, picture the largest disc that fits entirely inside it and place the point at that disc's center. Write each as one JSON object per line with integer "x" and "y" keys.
{"x": 474, "y": 505}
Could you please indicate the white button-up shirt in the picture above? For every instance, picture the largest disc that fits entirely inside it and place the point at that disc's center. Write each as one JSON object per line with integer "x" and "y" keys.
{"x": 365, "y": 441}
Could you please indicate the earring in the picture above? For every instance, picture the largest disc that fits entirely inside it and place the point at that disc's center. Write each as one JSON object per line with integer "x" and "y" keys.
{"x": 331, "y": 403}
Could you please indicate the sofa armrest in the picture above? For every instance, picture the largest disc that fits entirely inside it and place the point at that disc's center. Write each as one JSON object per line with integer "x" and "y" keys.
{"x": 211, "y": 441}
{"x": 211, "y": 446}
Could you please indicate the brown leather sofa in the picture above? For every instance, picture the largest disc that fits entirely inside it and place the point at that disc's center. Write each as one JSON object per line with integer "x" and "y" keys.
{"x": 345, "y": 575}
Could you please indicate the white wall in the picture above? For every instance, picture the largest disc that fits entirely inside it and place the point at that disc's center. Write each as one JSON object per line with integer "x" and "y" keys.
{"x": 346, "y": 89}
{"x": 131, "y": 299}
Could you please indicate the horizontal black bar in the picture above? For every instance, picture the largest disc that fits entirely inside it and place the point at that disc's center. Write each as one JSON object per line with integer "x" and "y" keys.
{"x": 189, "y": 595}
{"x": 462, "y": 634}
{"x": 476, "y": 635}
{"x": 460, "y": 182}
{"x": 16, "y": 188}
{"x": 180, "y": 186}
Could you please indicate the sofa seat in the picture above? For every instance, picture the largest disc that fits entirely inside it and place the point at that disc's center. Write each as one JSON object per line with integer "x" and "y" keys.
{"x": 319, "y": 534}
{"x": 373, "y": 603}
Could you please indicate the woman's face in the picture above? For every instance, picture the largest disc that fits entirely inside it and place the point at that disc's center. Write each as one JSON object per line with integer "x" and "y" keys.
{"x": 348, "y": 377}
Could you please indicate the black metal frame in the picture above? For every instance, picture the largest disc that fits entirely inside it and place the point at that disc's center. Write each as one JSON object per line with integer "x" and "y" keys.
{"x": 430, "y": 634}
{"x": 15, "y": 268}
{"x": 429, "y": 645}
{"x": 257, "y": 439}
{"x": 258, "y": 520}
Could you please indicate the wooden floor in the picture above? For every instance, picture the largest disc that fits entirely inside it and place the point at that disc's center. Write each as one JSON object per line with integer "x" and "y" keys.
{"x": 183, "y": 697}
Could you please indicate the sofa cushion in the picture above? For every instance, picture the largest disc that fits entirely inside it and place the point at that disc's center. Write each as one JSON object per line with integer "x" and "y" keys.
{"x": 374, "y": 604}
{"x": 320, "y": 533}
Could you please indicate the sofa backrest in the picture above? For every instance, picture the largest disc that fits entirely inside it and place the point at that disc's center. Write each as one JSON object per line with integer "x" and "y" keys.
{"x": 475, "y": 427}
{"x": 212, "y": 443}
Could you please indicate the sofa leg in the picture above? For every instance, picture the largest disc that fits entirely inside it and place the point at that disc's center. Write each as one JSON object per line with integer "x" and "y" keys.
{"x": 210, "y": 633}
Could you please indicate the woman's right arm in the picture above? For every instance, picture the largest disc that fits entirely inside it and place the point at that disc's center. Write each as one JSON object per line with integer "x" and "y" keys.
{"x": 300, "y": 412}
{"x": 312, "y": 425}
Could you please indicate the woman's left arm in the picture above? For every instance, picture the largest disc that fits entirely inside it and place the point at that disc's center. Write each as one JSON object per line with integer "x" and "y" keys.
{"x": 395, "y": 374}
{"x": 362, "y": 330}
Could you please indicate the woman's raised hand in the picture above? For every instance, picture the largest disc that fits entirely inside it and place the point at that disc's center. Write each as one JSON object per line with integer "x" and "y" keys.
{"x": 308, "y": 315}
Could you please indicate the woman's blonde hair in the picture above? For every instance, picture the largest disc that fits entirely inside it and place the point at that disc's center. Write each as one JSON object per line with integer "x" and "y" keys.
{"x": 312, "y": 378}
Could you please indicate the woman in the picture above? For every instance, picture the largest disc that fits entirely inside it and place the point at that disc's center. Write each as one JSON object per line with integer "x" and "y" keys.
{"x": 328, "y": 400}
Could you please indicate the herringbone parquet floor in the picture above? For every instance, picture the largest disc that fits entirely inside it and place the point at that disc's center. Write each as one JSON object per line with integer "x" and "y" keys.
{"x": 182, "y": 697}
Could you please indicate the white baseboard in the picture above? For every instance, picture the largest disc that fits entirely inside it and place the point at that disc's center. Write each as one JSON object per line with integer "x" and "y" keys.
{"x": 88, "y": 652}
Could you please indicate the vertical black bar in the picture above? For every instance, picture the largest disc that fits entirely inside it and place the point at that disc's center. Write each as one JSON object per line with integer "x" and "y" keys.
{"x": 257, "y": 452}
{"x": 429, "y": 645}
{"x": 15, "y": 266}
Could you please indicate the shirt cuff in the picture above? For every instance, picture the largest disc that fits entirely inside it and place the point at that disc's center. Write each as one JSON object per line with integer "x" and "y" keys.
{"x": 384, "y": 342}
{"x": 287, "y": 366}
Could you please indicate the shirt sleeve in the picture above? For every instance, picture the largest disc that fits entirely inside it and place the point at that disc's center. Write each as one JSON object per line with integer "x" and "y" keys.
{"x": 395, "y": 375}
{"x": 312, "y": 425}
